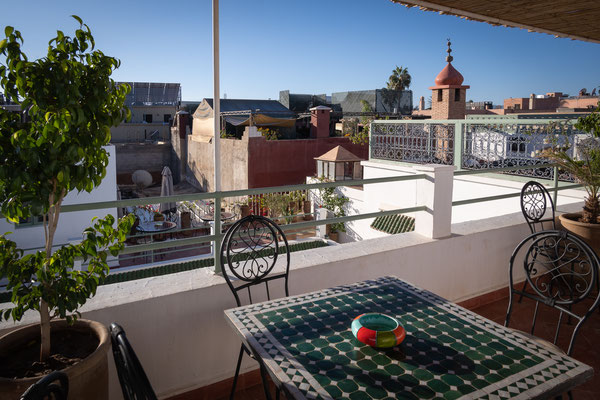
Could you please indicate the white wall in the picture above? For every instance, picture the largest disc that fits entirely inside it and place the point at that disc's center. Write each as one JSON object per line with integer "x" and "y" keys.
{"x": 387, "y": 196}
{"x": 71, "y": 224}
{"x": 176, "y": 322}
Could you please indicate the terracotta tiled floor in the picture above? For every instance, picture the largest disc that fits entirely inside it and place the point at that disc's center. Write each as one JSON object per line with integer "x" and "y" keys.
{"x": 587, "y": 344}
{"x": 586, "y": 349}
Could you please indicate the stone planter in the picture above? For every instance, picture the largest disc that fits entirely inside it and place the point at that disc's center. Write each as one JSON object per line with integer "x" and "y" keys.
{"x": 88, "y": 379}
{"x": 590, "y": 233}
{"x": 335, "y": 236}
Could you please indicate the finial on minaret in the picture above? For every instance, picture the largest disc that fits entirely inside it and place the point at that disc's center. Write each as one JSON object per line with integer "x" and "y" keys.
{"x": 449, "y": 58}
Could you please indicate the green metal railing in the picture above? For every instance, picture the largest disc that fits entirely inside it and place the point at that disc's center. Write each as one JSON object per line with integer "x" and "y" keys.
{"x": 218, "y": 197}
{"x": 457, "y": 147}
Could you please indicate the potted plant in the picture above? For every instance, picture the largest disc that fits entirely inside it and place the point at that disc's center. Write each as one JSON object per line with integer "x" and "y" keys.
{"x": 158, "y": 216}
{"x": 245, "y": 209}
{"x": 335, "y": 203}
{"x": 306, "y": 207}
{"x": 54, "y": 148}
{"x": 583, "y": 163}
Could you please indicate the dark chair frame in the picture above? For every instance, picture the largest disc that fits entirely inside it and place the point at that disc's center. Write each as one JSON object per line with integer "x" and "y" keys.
{"x": 534, "y": 203}
{"x": 134, "y": 382}
{"x": 45, "y": 388}
{"x": 561, "y": 270}
{"x": 535, "y": 200}
{"x": 249, "y": 252}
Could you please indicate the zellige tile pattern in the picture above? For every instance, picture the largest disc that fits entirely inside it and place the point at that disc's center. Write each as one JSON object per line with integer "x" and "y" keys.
{"x": 448, "y": 353}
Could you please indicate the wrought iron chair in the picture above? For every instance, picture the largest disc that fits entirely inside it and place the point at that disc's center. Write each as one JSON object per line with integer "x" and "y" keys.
{"x": 249, "y": 252}
{"x": 561, "y": 270}
{"x": 535, "y": 200}
{"x": 47, "y": 389}
{"x": 133, "y": 379}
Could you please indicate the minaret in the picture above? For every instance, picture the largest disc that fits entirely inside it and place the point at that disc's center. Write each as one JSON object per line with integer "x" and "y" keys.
{"x": 448, "y": 95}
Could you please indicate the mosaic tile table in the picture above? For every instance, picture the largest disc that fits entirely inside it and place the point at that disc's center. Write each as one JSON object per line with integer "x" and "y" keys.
{"x": 308, "y": 348}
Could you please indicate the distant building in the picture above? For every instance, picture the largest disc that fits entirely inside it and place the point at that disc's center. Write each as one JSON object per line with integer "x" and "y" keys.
{"x": 237, "y": 114}
{"x": 479, "y": 105}
{"x": 380, "y": 100}
{"x": 153, "y": 106}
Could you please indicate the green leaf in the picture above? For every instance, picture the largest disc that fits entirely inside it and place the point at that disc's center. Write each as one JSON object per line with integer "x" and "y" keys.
{"x": 8, "y": 30}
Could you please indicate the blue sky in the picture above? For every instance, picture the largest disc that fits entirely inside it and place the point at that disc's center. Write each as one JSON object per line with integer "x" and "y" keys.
{"x": 310, "y": 46}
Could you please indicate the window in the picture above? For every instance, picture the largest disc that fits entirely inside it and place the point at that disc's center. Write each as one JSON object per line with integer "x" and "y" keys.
{"x": 167, "y": 118}
{"x": 456, "y": 94}
{"x": 148, "y": 118}
{"x": 31, "y": 221}
{"x": 517, "y": 145}
{"x": 439, "y": 95}
{"x": 517, "y": 106}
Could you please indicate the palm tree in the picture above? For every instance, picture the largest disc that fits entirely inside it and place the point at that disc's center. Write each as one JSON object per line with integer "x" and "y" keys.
{"x": 399, "y": 80}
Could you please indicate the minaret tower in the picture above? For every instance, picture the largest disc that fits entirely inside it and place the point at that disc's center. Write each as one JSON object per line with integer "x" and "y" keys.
{"x": 449, "y": 94}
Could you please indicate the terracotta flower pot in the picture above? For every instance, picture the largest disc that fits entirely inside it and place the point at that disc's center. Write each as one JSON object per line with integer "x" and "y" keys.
{"x": 159, "y": 217}
{"x": 306, "y": 209}
{"x": 186, "y": 223}
{"x": 335, "y": 236}
{"x": 245, "y": 210}
{"x": 88, "y": 379}
{"x": 590, "y": 233}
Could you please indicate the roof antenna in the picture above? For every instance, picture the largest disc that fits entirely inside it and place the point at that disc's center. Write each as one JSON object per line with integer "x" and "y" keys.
{"x": 449, "y": 58}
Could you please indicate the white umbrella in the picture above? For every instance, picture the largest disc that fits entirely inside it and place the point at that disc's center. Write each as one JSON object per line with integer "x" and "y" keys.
{"x": 166, "y": 189}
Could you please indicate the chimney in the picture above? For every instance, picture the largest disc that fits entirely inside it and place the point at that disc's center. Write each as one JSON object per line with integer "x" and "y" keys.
{"x": 182, "y": 122}
{"x": 422, "y": 103}
{"x": 532, "y": 101}
{"x": 319, "y": 122}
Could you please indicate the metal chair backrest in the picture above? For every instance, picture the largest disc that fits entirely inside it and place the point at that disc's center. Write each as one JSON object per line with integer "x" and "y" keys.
{"x": 133, "y": 379}
{"x": 561, "y": 271}
{"x": 47, "y": 389}
{"x": 535, "y": 200}
{"x": 249, "y": 252}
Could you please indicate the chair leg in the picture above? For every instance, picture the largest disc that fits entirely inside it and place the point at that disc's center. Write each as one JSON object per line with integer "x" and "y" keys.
{"x": 263, "y": 375}
{"x": 237, "y": 372}
{"x": 277, "y": 393}
{"x": 522, "y": 291}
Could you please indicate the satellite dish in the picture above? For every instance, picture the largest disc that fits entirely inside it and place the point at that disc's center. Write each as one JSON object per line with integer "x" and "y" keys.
{"x": 141, "y": 179}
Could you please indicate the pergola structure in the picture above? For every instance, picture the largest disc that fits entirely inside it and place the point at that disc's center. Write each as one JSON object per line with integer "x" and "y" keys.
{"x": 577, "y": 20}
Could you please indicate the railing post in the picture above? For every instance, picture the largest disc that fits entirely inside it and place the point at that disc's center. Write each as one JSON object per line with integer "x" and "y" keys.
{"x": 435, "y": 193}
{"x": 555, "y": 194}
{"x": 217, "y": 241}
{"x": 458, "y": 144}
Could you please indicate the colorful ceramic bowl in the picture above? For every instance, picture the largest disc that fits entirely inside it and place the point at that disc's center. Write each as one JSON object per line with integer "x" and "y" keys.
{"x": 378, "y": 330}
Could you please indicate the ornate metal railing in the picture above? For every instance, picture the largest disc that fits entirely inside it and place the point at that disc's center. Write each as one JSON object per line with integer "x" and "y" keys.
{"x": 490, "y": 143}
{"x": 421, "y": 143}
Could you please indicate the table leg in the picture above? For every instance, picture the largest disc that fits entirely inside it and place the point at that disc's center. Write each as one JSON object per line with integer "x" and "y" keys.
{"x": 263, "y": 375}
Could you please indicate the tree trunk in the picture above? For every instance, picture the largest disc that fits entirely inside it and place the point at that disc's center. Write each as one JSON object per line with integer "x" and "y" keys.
{"x": 591, "y": 210}
{"x": 52, "y": 222}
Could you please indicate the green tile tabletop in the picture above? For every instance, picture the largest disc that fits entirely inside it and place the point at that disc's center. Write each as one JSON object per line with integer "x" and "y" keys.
{"x": 308, "y": 348}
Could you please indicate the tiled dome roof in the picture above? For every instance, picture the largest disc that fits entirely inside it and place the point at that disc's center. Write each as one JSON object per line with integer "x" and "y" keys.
{"x": 449, "y": 76}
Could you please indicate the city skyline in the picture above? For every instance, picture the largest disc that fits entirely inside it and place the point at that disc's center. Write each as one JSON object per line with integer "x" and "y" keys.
{"x": 312, "y": 48}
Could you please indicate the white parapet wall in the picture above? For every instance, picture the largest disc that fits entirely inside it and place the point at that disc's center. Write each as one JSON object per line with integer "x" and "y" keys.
{"x": 176, "y": 322}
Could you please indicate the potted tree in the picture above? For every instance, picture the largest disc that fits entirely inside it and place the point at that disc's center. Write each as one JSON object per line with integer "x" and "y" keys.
{"x": 335, "y": 203}
{"x": 55, "y": 147}
{"x": 583, "y": 162}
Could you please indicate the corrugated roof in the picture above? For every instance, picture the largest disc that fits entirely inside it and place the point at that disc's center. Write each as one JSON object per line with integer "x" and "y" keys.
{"x": 578, "y": 20}
{"x": 339, "y": 154}
{"x": 264, "y": 106}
